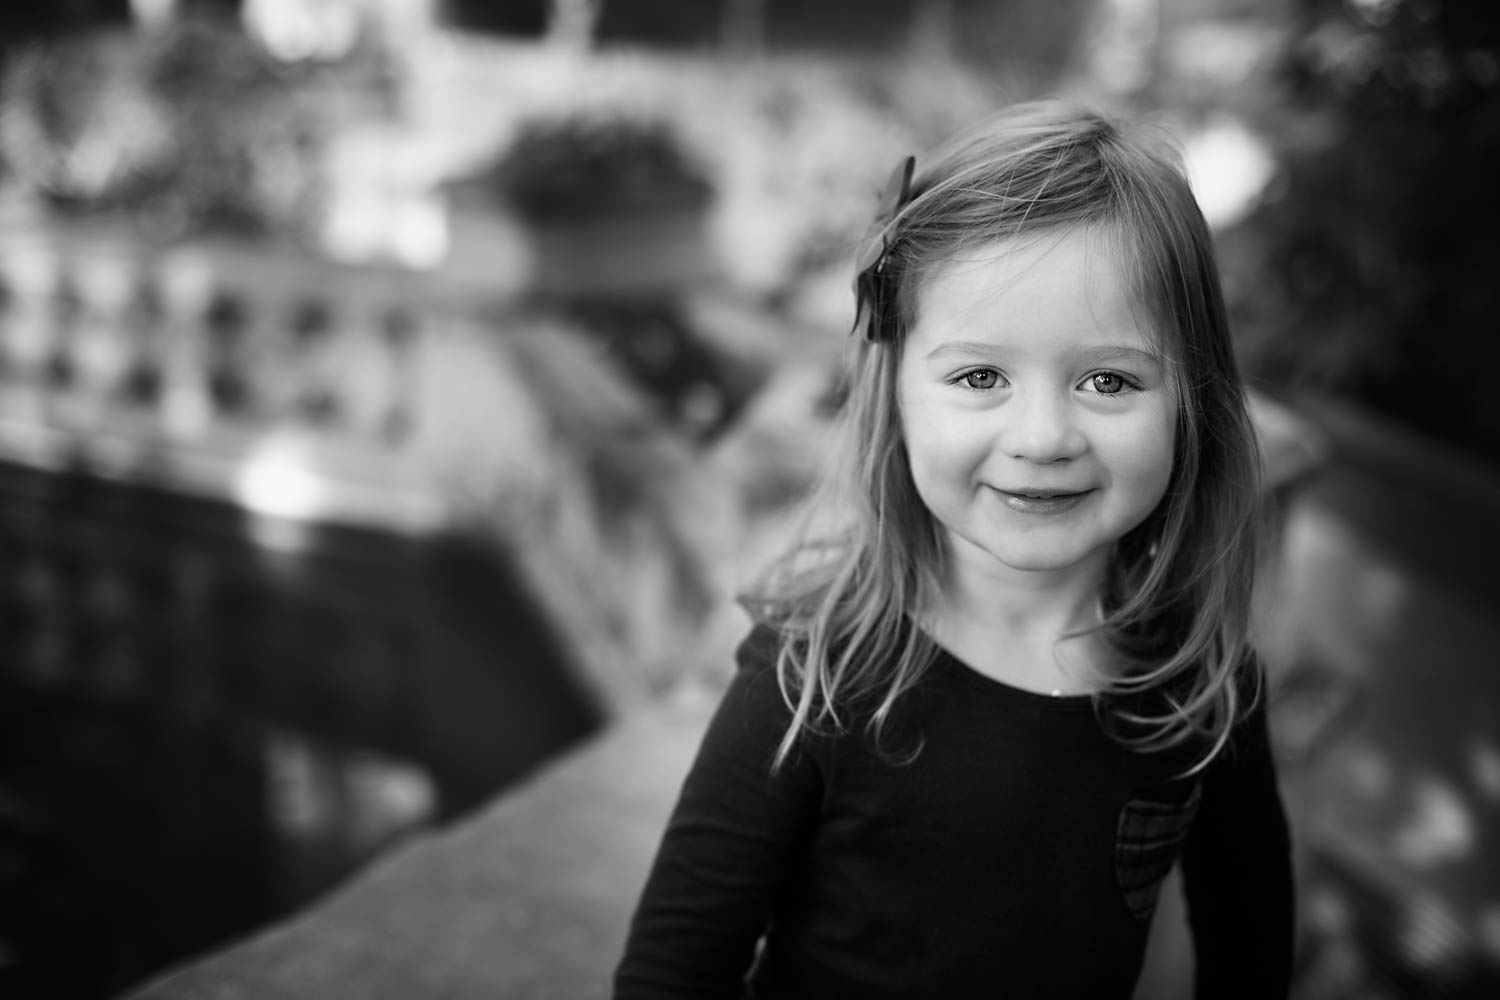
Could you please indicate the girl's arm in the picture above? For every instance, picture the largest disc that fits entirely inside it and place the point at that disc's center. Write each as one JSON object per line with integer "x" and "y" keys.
{"x": 727, "y": 847}
{"x": 1237, "y": 873}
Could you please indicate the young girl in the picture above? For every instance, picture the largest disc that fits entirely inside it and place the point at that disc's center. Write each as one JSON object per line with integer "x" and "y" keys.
{"x": 991, "y": 703}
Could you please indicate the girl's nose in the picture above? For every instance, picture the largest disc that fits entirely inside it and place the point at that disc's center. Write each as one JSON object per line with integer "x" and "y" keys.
{"x": 1039, "y": 427}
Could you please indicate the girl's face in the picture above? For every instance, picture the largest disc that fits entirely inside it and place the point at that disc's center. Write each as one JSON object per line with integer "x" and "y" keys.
{"x": 1039, "y": 419}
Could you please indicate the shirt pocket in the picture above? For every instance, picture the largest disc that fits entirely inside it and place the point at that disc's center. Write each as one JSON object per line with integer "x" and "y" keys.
{"x": 1147, "y": 841}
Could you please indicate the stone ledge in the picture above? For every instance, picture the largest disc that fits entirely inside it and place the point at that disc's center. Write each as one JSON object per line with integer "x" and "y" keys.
{"x": 527, "y": 899}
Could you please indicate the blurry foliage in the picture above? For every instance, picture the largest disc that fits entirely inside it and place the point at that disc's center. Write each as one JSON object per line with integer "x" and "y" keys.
{"x": 828, "y": 134}
{"x": 195, "y": 130}
{"x": 586, "y": 166}
{"x": 1370, "y": 269}
{"x": 835, "y": 143}
{"x": 77, "y": 116}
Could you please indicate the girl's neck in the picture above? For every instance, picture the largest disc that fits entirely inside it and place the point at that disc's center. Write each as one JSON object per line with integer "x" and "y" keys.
{"x": 1023, "y": 629}
{"x": 1023, "y": 604}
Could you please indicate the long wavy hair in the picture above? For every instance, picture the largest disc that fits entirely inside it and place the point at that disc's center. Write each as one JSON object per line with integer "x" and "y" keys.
{"x": 1177, "y": 594}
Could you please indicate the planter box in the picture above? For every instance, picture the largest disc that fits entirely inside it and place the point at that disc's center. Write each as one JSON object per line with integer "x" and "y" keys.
{"x": 622, "y": 254}
{"x": 625, "y": 254}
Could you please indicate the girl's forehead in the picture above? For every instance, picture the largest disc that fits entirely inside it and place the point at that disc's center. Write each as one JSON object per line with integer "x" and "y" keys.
{"x": 1081, "y": 271}
{"x": 1066, "y": 252}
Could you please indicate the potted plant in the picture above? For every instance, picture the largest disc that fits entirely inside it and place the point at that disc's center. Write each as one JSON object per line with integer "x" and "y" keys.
{"x": 609, "y": 206}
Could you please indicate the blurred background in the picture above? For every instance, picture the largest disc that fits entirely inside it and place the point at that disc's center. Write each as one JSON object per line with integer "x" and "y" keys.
{"x": 394, "y": 393}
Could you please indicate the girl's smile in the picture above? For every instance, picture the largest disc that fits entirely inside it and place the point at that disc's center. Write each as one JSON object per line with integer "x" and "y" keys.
{"x": 1037, "y": 501}
{"x": 1038, "y": 416}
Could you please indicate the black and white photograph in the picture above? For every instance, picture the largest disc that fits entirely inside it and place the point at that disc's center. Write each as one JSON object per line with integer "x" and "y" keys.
{"x": 749, "y": 499}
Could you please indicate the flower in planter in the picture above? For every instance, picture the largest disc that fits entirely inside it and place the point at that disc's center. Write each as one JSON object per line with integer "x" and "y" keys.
{"x": 582, "y": 167}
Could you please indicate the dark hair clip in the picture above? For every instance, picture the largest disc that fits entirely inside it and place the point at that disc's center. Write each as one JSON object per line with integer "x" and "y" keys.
{"x": 871, "y": 292}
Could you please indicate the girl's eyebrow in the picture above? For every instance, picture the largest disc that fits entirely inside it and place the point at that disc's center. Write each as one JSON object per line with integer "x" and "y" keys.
{"x": 1122, "y": 352}
{"x": 1104, "y": 352}
{"x": 963, "y": 347}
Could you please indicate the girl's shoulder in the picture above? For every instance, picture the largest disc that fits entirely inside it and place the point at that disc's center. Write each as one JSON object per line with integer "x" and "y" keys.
{"x": 760, "y": 648}
{"x": 757, "y": 677}
{"x": 775, "y": 625}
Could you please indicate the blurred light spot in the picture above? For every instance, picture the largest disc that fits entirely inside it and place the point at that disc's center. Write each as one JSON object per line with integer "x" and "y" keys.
{"x": 1430, "y": 937}
{"x": 388, "y": 797}
{"x": 1376, "y": 13}
{"x": 277, "y": 484}
{"x": 1120, "y": 51}
{"x": 419, "y": 233}
{"x": 1351, "y": 57}
{"x": 356, "y": 229}
{"x": 293, "y": 30}
{"x": 357, "y": 799}
{"x": 1484, "y": 760}
{"x": 153, "y": 13}
{"x": 276, "y": 480}
{"x": 382, "y": 202}
{"x": 31, "y": 273}
{"x": 185, "y": 281}
{"x": 1221, "y": 54}
{"x": 1230, "y": 166}
{"x": 1440, "y": 827}
{"x": 300, "y": 802}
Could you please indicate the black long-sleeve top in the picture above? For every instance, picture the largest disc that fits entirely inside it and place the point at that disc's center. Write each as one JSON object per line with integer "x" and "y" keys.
{"x": 1018, "y": 853}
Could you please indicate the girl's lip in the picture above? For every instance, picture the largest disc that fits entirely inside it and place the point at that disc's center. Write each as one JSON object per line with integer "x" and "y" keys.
{"x": 1036, "y": 501}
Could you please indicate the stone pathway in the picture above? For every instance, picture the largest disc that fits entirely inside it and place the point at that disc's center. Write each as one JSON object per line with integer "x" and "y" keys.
{"x": 526, "y": 900}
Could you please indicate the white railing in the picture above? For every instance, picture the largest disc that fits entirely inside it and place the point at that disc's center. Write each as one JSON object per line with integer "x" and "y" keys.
{"x": 310, "y": 392}
{"x": 182, "y": 364}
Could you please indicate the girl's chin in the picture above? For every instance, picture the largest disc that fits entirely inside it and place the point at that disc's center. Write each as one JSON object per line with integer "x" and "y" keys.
{"x": 1033, "y": 559}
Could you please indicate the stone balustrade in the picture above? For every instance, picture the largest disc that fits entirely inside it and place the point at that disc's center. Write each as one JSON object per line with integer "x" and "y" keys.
{"x": 174, "y": 363}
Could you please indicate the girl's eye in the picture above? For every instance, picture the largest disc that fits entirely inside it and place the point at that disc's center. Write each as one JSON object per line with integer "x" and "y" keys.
{"x": 1108, "y": 383}
{"x": 980, "y": 378}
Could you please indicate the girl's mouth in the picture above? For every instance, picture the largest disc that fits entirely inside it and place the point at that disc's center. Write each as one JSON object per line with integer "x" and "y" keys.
{"x": 1042, "y": 501}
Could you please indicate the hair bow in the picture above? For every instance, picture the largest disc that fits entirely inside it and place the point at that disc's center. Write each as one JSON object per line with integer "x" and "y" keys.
{"x": 872, "y": 293}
